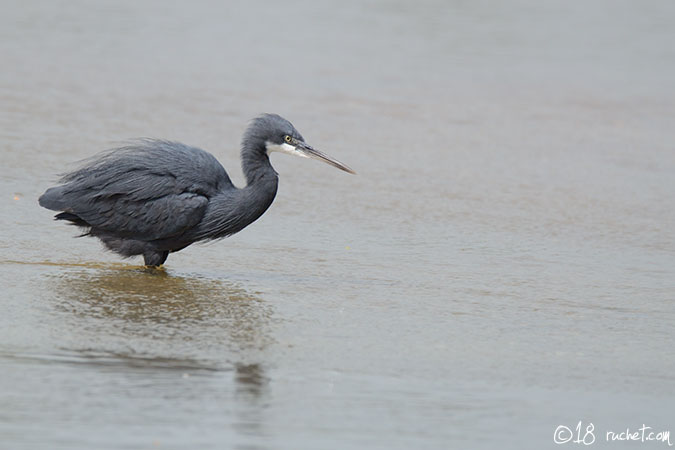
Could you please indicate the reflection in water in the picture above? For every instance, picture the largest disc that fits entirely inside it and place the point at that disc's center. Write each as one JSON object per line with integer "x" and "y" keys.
{"x": 165, "y": 326}
{"x": 251, "y": 396}
{"x": 251, "y": 380}
{"x": 155, "y": 315}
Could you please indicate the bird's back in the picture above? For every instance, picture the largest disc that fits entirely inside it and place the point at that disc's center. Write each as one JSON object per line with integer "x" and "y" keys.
{"x": 171, "y": 165}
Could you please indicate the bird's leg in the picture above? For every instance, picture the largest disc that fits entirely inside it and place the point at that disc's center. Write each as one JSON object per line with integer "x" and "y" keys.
{"x": 155, "y": 259}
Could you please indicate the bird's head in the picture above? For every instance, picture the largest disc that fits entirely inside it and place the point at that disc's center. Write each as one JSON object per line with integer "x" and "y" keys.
{"x": 276, "y": 134}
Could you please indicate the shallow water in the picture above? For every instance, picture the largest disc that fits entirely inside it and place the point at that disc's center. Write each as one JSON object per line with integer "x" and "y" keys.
{"x": 504, "y": 262}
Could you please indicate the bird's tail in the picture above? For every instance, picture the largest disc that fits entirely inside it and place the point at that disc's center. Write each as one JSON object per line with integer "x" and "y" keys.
{"x": 53, "y": 199}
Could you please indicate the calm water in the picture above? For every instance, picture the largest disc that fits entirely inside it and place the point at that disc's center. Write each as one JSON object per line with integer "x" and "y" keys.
{"x": 504, "y": 263}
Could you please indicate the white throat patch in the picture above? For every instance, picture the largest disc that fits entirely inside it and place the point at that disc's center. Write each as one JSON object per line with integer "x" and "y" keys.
{"x": 283, "y": 148}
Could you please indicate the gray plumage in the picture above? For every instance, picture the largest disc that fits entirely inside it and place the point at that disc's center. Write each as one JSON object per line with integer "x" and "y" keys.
{"x": 154, "y": 196}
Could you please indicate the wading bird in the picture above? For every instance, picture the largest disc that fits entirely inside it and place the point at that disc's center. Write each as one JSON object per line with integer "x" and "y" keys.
{"x": 155, "y": 197}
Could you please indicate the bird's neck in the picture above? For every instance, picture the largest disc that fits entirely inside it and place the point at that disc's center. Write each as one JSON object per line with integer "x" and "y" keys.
{"x": 231, "y": 211}
{"x": 261, "y": 181}
{"x": 255, "y": 163}
{"x": 258, "y": 194}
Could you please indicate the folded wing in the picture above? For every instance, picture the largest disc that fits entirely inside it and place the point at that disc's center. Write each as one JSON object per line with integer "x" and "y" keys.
{"x": 147, "y": 191}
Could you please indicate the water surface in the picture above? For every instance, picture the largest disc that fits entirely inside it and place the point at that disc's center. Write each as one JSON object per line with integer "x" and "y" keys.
{"x": 502, "y": 264}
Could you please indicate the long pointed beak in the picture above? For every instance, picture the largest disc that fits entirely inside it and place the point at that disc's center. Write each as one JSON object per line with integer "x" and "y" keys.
{"x": 313, "y": 153}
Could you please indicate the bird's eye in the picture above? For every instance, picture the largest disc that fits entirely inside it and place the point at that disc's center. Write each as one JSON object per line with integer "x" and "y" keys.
{"x": 287, "y": 138}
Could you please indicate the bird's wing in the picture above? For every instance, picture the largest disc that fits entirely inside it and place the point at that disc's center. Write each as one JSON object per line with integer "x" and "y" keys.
{"x": 148, "y": 191}
{"x": 143, "y": 219}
